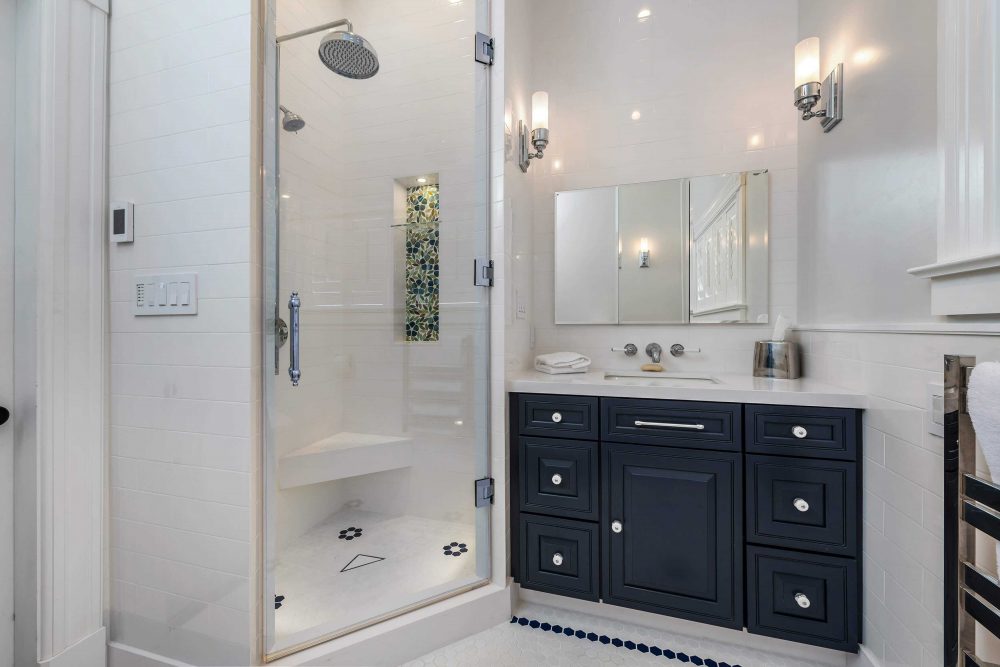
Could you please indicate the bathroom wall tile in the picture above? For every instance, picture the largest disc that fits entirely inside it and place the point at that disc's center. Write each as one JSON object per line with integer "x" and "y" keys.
{"x": 181, "y": 386}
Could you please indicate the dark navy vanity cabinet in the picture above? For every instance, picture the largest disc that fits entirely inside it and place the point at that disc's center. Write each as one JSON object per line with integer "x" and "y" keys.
{"x": 742, "y": 516}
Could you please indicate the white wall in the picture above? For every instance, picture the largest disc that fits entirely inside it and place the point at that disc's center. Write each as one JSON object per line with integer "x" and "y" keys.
{"x": 710, "y": 81}
{"x": 867, "y": 203}
{"x": 183, "y": 388}
{"x": 868, "y": 190}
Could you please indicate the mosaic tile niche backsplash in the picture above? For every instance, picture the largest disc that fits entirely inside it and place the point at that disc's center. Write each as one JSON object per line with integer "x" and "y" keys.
{"x": 423, "y": 259}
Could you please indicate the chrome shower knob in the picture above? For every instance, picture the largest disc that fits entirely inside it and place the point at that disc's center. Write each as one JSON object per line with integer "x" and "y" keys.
{"x": 557, "y": 559}
{"x": 557, "y": 479}
{"x": 616, "y": 526}
{"x": 801, "y": 504}
{"x": 557, "y": 417}
{"x": 802, "y": 600}
{"x": 799, "y": 432}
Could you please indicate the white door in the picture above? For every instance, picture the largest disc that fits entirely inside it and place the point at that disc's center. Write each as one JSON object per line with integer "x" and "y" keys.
{"x": 6, "y": 332}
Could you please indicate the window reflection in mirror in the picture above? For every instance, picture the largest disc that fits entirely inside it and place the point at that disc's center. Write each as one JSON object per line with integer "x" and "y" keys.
{"x": 688, "y": 250}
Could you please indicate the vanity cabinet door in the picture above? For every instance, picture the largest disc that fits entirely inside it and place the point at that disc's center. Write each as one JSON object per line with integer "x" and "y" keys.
{"x": 672, "y": 522}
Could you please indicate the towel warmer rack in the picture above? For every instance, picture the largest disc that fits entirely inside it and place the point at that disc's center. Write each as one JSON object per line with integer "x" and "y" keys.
{"x": 971, "y": 503}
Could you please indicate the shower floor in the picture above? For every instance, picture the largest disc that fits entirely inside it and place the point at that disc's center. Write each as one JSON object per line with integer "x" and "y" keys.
{"x": 358, "y": 565}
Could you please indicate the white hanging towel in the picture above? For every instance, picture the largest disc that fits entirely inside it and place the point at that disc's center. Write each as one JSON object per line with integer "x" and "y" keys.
{"x": 984, "y": 409}
{"x": 558, "y": 363}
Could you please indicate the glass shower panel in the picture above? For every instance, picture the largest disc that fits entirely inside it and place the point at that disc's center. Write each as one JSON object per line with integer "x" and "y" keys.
{"x": 378, "y": 208}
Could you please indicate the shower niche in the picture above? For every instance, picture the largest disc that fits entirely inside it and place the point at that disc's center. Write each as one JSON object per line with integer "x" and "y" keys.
{"x": 369, "y": 462}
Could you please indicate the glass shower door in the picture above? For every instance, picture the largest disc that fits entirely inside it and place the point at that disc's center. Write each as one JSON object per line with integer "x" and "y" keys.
{"x": 375, "y": 207}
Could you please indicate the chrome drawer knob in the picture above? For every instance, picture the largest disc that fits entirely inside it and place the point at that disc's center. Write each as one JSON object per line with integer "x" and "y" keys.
{"x": 799, "y": 431}
{"x": 801, "y": 504}
{"x": 802, "y": 600}
{"x": 556, "y": 417}
{"x": 557, "y": 479}
{"x": 616, "y": 526}
{"x": 557, "y": 559}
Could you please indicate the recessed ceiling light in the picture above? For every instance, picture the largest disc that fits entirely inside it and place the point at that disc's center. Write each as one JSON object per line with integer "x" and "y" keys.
{"x": 421, "y": 180}
{"x": 636, "y": 115}
{"x": 644, "y": 14}
{"x": 286, "y": 196}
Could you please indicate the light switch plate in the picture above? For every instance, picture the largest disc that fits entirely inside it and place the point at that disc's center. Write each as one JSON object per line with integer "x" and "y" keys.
{"x": 165, "y": 294}
{"x": 935, "y": 408}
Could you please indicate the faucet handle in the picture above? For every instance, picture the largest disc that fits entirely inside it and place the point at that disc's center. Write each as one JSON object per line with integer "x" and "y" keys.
{"x": 630, "y": 349}
{"x": 677, "y": 349}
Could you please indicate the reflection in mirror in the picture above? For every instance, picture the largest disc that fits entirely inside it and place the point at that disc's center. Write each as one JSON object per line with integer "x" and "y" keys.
{"x": 665, "y": 252}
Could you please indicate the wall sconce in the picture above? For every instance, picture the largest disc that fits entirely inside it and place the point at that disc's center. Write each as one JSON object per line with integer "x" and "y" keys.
{"x": 809, "y": 91}
{"x": 644, "y": 253}
{"x": 539, "y": 130}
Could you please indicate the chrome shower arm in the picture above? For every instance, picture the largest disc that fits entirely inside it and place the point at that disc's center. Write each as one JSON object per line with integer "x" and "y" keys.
{"x": 309, "y": 31}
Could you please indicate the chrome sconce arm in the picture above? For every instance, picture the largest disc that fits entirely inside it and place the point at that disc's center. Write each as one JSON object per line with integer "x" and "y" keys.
{"x": 829, "y": 95}
{"x": 810, "y": 93}
{"x": 539, "y": 140}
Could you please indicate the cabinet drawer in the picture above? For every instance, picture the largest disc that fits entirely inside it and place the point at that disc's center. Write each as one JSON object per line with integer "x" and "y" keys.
{"x": 803, "y": 504}
{"x": 566, "y": 416}
{"x": 559, "y": 556}
{"x": 672, "y": 423}
{"x": 559, "y": 477}
{"x": 805, "y": 598}
{"x": 825, "y": 433}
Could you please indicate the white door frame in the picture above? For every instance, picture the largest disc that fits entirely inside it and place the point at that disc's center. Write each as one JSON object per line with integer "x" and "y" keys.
{"x": 59, "y": 321}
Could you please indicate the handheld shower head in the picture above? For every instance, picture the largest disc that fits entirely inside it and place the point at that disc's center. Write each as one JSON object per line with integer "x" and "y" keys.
{"x": 291, "y": 122}
{"x": 348, "y": 54}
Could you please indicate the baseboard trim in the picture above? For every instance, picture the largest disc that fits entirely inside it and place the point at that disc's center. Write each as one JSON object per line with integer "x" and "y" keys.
{"x": 864, "y": 658}
{"x": 412, "y": 635}
{"x": 91, "y": 651}
{"x": 123, "y": 655}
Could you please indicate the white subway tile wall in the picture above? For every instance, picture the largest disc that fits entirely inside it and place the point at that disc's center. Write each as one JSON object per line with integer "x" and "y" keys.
{"x": 903, "y": 480}
{"x": 710, "y": 83}
{"x": 183, "y": 390}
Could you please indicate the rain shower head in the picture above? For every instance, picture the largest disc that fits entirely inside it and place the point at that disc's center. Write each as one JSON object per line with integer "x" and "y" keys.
{"x": 291, "y": 122}
{"x": 348, "y": 54}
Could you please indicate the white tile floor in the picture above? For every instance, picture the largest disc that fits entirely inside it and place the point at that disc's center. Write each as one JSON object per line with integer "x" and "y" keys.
{"x": 321, "y": 596}
{"x": 514, "y": 645}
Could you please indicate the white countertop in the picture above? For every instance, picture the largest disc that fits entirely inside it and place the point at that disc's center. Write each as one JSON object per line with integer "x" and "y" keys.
{"x": 730, "y": 388}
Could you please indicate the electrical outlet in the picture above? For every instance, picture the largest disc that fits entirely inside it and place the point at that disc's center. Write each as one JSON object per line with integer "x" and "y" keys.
{"x": 521, "y": 309}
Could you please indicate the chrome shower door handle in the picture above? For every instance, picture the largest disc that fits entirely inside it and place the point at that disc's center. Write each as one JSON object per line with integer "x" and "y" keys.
{"x": 294, "y": 369}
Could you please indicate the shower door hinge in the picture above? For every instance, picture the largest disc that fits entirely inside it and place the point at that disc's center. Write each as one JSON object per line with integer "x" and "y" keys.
{"x": 484, "y": 272}
{"x": 484, "y": 48}
{"x": 484, "y": 492}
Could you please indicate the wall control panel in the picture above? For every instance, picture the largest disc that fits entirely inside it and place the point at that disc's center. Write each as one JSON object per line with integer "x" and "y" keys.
{"x": 165, "y": 294}
{"x": 120, "y": 223}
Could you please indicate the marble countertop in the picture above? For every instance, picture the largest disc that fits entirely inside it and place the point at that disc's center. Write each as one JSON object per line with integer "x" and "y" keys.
{"x": 729, "y": 389}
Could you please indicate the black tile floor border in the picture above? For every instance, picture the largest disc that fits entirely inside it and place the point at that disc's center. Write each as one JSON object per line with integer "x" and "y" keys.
{"x": 618, "y": 643}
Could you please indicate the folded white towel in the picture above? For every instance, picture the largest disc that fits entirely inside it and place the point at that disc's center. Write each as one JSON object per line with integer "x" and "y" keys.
{"x": 556, "y": 370}
{"x": 984, "y": 409}
{"x": 562, "y": 360}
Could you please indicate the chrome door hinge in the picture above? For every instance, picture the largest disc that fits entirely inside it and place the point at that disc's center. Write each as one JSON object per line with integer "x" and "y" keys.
{"x": 484, "y": 492}
{"x": 483, "y": 272}
{"x": 484, "y": 48}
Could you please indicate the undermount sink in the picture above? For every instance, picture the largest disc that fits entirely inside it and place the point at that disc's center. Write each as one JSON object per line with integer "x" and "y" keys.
{"x": 671, "y": 378}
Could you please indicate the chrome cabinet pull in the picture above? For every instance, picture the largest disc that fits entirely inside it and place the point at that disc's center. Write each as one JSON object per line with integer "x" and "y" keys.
{"x": 557, "y": 417}
{"x": 801, "y": 504}
{"x": 557, "y": 479}
{"x": 294, "y": 369}
{"x": 694, "y": 427}
{"x": 557, "y": 559}
{"x": 802, "y": 600}
{"x": 616, "y": 526}
{"x": 799, "y": 432}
